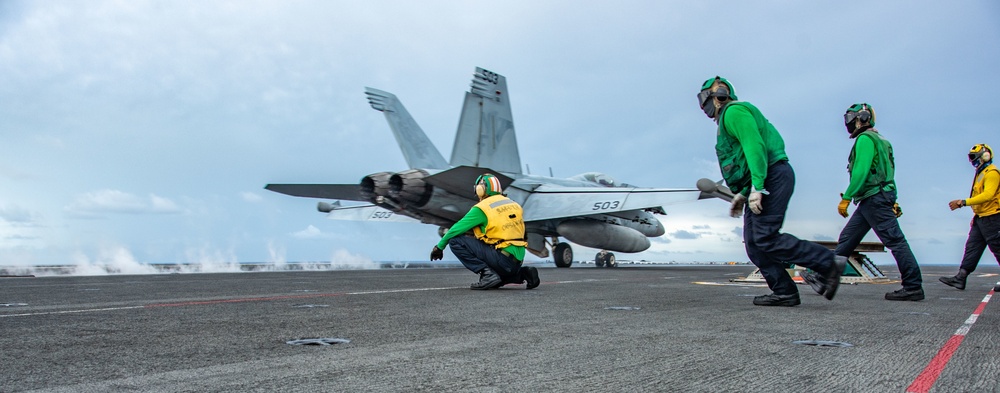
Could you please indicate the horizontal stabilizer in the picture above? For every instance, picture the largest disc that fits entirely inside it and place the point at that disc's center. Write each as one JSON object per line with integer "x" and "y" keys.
{"x": 461, "y": 180}
{"x": 350, "y": 192}
{"x": 549, "y": 202}
{"x": 368, "y": 213}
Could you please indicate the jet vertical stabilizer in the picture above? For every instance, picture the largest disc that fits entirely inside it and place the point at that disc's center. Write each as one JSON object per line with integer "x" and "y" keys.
{"x": 418, "y": 150}
{"x": 485, "y": 136}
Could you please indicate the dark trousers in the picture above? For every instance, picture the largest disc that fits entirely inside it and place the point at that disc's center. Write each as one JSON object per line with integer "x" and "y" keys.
{"x": 771, "y": 250}
{"x": 985, "y": 231}
{"x": 875, "y": 213}
{"x": 476, "y": 256}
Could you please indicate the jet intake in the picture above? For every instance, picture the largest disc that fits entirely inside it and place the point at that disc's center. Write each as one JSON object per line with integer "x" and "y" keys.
{"x": 596, "y": 234}
{"x": 409, "y": 188}
{"x": 375, "y": 185}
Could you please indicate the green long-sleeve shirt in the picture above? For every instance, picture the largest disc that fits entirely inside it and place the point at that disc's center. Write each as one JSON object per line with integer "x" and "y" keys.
{"x": 760, "y": 142}
{"x": 475, "y": 218}
{"x": 864, "y": 155}
{"x": 871, "y": 166}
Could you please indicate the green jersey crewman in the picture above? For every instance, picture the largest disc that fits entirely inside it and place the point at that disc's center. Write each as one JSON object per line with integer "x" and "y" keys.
{"x": 753, "y": 162}
{"x": 872, "y": 168}
{"x": 496, "y": 250}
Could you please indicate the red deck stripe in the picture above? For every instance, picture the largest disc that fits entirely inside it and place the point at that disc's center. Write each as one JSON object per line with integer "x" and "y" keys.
{"x": 929, "y": 376}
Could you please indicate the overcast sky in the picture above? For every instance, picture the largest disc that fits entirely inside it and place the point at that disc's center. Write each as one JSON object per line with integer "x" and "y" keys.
{"x": 146, "y": 130}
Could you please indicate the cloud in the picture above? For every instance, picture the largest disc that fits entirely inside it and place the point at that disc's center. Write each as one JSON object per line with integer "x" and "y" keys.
{"x": 682, "y": 234}
{"x": 17, "y": 216}
{"x": 251, "y": 197}
{"x": 823, "y": 237}
{"x": 311, "y": 232}
{"x": 738, "y": 231}
{"x": 103, "y": 202}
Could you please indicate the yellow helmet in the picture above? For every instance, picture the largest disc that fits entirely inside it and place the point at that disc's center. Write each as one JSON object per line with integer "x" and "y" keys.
{"x": 980, "y": 154}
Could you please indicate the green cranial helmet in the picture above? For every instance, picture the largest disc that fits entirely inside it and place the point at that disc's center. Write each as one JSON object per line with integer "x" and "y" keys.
{"x": 863, "y": 112}
{"x": 708, "y": 83}
{"x": 488, "y": 185}
{"x": 724, "y": 93}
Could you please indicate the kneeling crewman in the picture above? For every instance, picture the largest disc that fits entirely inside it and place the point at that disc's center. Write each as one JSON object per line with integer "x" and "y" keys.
{"x": 497, "y": 249}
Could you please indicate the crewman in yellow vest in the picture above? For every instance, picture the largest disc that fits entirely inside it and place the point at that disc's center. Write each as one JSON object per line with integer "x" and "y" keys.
{"x": 984, "y": 199}
{"x": 497, "y": 249}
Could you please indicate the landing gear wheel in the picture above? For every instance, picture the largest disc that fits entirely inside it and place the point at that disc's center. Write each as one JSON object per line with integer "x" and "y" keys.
{"x": 599, "y": 260}
{"x": 609, "y": 260}
{"x": 563, "y": 255}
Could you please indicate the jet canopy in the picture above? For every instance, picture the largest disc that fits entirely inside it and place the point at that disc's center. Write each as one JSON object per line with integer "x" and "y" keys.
{"x": 598, "y": 178}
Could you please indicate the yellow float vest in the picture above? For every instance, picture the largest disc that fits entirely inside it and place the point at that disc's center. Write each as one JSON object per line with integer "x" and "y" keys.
{"x": 504, "y": 222}
{"x": 990, "y": 207}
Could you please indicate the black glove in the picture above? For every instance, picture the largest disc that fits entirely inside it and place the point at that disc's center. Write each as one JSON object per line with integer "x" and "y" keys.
{"x": 437, "y": 254}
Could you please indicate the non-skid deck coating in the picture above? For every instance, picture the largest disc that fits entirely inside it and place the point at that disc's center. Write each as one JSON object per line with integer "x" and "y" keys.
{"x": 672, "y": 328}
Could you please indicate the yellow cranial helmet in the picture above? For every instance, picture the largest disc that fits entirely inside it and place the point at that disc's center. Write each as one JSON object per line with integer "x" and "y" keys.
{"x": 980, "y": 154}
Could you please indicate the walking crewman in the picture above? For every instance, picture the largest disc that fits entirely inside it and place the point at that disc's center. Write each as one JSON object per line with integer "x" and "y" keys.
{"x": 873, "y": 188}
{"x": 497, "y": 250}
{"x": 752, "y": 158}
{"x": 985, "y": 203}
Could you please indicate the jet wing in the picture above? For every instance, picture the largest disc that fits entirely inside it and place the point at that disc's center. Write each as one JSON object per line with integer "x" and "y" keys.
{"x": 548, "y": 202}
{"x": 367, "y": 213}
{"x": 460, "y": 180}
{"x": 350, "y": 192}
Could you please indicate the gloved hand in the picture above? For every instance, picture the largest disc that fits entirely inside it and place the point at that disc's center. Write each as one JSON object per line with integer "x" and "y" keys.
{"x": 756, "y": 199}
{"x": 736, "y": 209}
{"x": 437, "y": 254}
{"x": 898, "y": 211}
{"x": 842, "y": 207}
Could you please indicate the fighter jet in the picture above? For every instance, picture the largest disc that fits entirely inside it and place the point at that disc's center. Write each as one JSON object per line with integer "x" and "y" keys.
{"x": 590, "y": 209}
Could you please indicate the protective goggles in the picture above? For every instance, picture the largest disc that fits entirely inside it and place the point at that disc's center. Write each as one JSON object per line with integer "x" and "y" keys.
{"x": 865, "y": 116}
{"x": 977, "y": 152}
{"x": 704, "y": 95}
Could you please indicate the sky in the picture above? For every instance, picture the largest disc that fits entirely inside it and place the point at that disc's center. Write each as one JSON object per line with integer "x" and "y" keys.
{"x": 145, "y": 131}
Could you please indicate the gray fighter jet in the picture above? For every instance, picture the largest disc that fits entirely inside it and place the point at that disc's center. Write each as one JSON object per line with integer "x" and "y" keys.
{"x": 589, "y": 209}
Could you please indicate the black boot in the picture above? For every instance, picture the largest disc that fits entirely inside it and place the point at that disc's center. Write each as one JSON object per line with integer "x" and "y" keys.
{"x": 906, "y": 294}
{"x": 958, "y": 281}
{"x": 815, "y": 282}
{"x": 773, "y": 299}
{"x": 487, "y": 279}
{"x": 530, "y": 275}
{"x": 832, "y": 279}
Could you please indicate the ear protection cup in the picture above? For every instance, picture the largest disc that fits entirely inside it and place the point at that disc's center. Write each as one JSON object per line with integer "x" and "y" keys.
{"x": 487, "y": 185}
{"x": 865, "y": 113}
{"x": 980, "y": 154}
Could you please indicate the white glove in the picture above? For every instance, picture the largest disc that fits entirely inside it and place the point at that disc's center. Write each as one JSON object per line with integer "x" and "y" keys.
{"x": 736, "y": 209}
{"x": 756, "y": 197}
